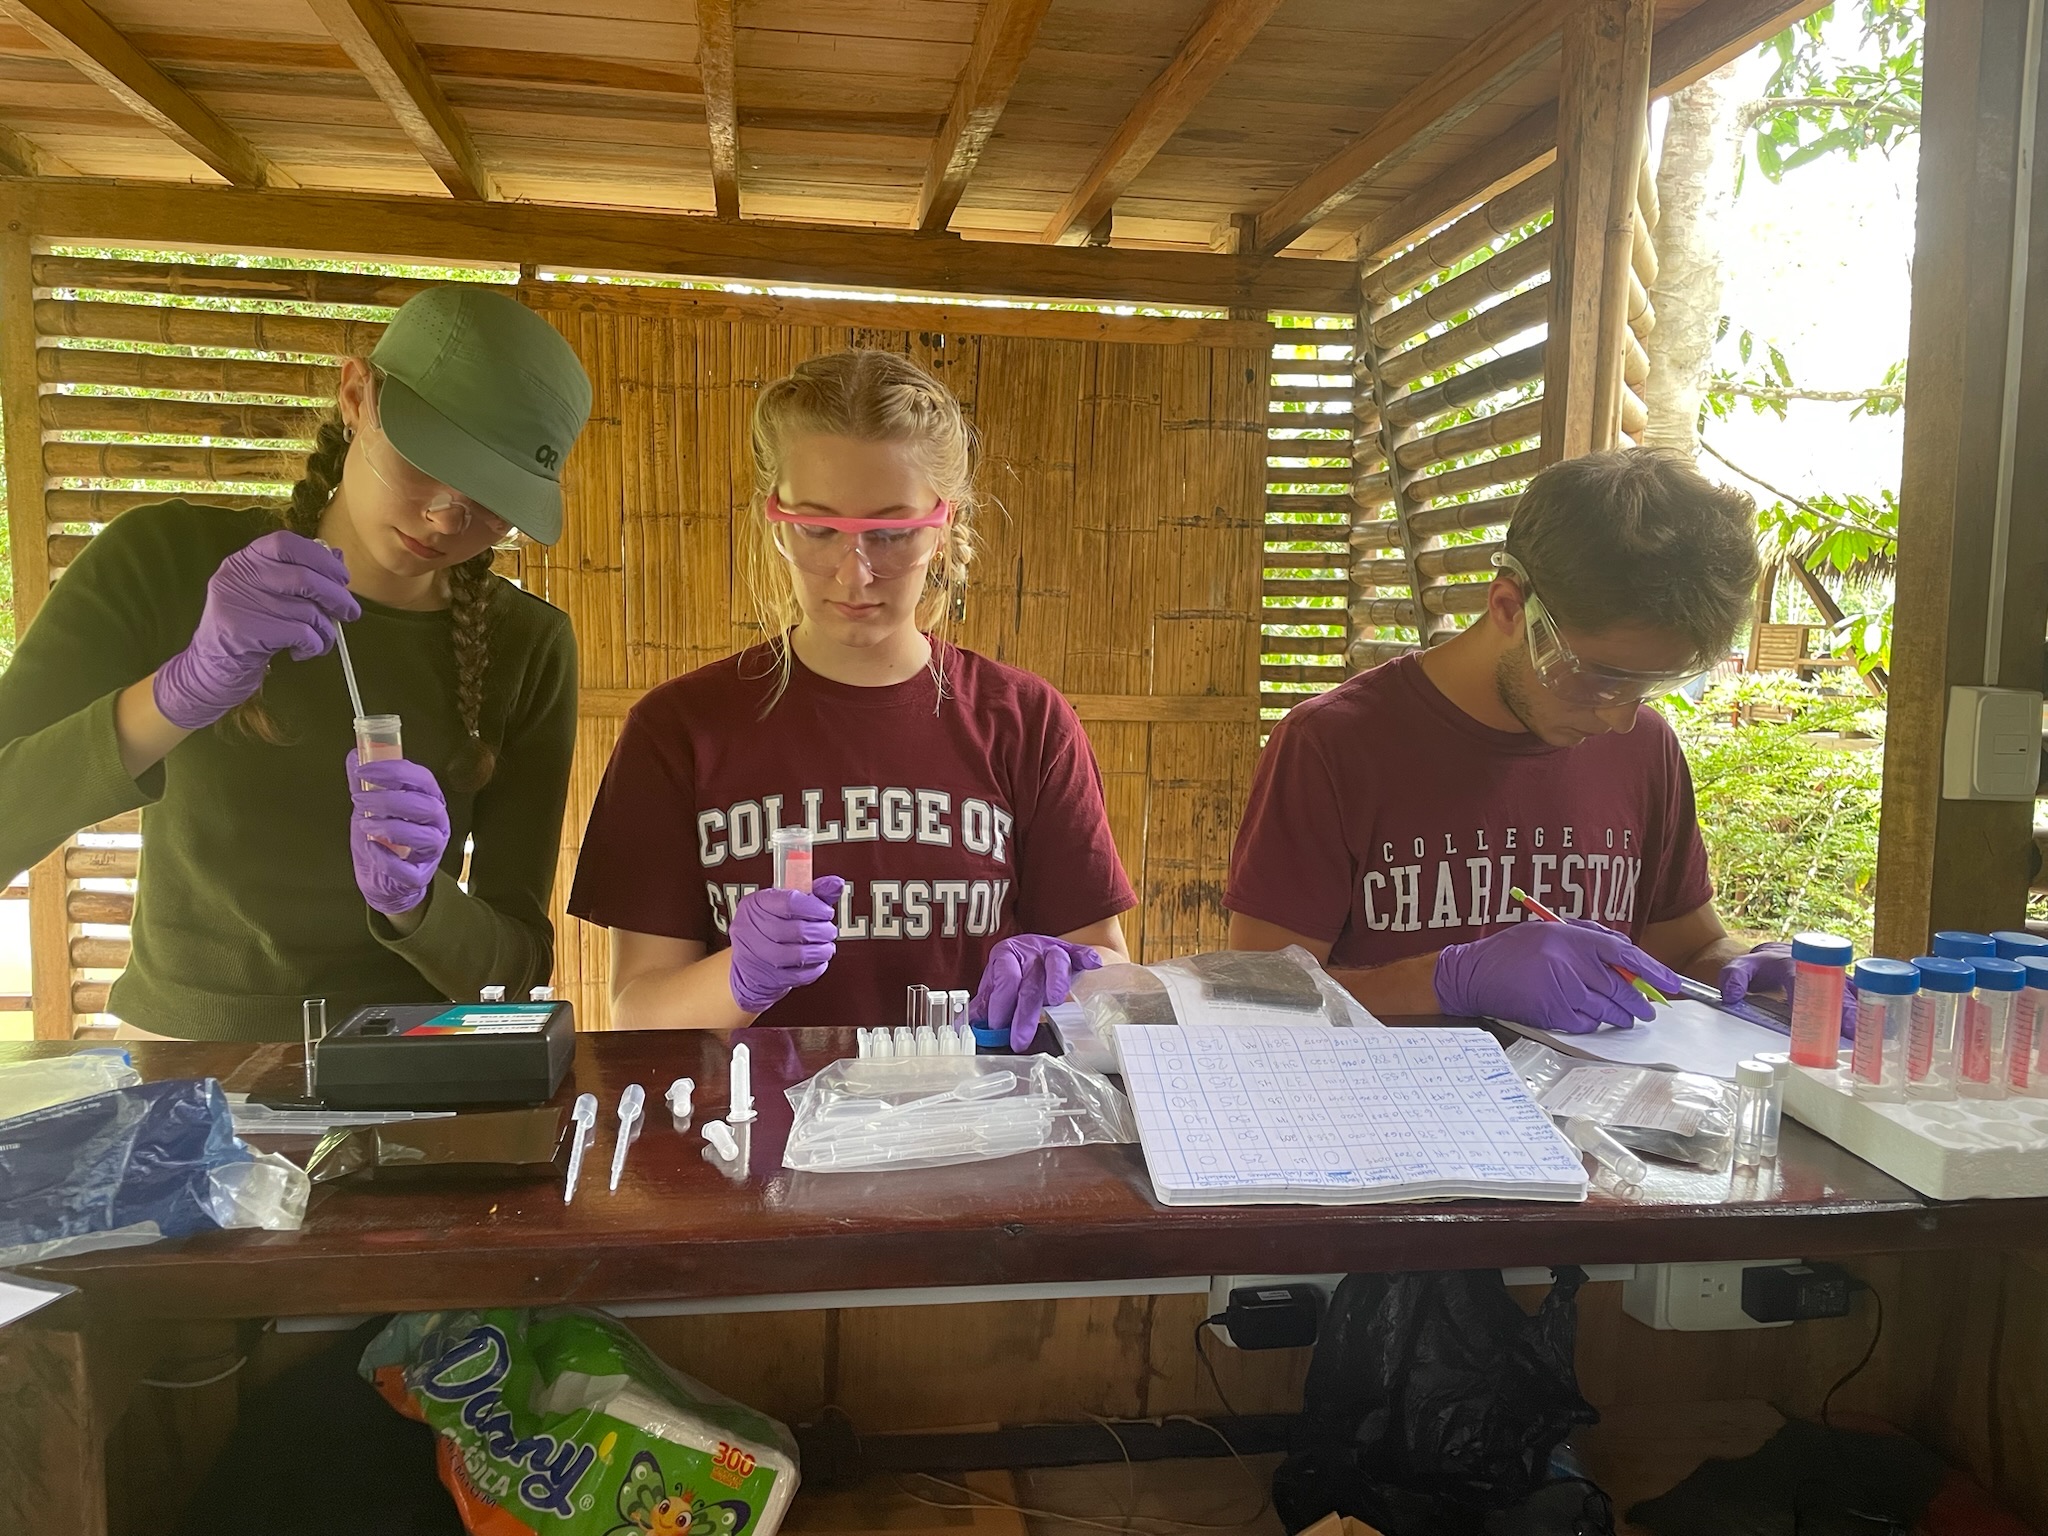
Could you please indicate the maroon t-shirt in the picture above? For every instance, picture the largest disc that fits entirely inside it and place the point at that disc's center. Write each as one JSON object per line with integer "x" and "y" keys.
{"x": 1384, "y": 818}
{"x": 956, "y": 822}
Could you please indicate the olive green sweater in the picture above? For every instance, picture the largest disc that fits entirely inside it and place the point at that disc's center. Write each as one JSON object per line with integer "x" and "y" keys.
{"x": 247, "y": 901}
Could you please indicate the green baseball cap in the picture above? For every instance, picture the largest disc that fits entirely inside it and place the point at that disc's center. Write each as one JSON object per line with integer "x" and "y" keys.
{"x": 485, "y": 396}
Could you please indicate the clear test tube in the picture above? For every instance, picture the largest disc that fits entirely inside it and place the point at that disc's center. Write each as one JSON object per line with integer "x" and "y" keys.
{"x": 938, "y": 1005}
{"x": 1594, "y": 1140}
{"x": 1981, "y": 1065}
{"x": 1820, "y": 964}
{"x": 1753, "y": 1082}
{"x": 794, "y": 859}
{"x": 378, "y": 739}
{"x": 1780, "y": 1063}
{"x": 1945, "y": 988}
{"x": 2027, "y": 1051}
{"x": 1884, "y": 1001}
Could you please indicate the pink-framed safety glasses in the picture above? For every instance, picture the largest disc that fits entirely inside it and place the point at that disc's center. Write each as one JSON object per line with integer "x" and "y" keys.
{"x": 888, "y": 546}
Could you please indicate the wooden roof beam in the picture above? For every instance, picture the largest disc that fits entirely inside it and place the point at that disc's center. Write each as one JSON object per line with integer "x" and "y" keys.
{"x": 1002, "y": 41}
{"x": 717, "y": 41}
{"x": 1468, "y": 80}
{"x": 1222, "y": 33}
{"x": 77, "y": 33}
{"x": 19, "y": 157}
{"x": 376, "y": 41}
{"x": 83, "y": 211}
{"x": 1690, "y": 48}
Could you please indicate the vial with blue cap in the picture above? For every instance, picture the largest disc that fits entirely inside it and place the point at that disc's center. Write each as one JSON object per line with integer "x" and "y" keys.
{"x": 1885, "y": 990}
{"x": 1981, "y": 1056}
{"x": 1820, "y": 963}
{"x": 2015, "y": 945}
{"x": 1945, "y": 989}
{"x": 1960, "y": 944}
{"x": 2027, "y": 1048}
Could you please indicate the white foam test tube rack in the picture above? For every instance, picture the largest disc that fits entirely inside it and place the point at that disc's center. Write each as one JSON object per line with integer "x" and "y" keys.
{"x": 742, "y": 1109}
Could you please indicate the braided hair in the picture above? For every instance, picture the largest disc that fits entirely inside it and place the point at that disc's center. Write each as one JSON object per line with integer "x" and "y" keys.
{"x": 470, "y": 589}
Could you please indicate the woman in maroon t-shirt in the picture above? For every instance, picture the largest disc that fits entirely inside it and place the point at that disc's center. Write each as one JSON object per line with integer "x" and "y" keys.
{"x": 954, "y": 804}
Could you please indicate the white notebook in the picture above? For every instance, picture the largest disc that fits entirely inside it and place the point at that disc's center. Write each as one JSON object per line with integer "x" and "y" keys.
{"x": 1257, "y": 1115}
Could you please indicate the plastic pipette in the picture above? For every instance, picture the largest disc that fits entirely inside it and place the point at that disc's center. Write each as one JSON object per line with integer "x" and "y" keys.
{"x": 742, "y": 1109}
{"x": 584, "y": 1118}
{"x": 632, "y": 1103}
{"x": 348, "y": 671}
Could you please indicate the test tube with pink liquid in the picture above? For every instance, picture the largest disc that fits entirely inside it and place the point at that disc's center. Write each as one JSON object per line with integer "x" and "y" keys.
{"x": 795, "y": 860}
{"x": 378, "y": 739}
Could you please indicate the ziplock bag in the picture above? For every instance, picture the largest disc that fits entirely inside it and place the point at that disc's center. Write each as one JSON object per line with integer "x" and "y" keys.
{"x": 1283, "y": 986}
{"x": 930, "y": 1111}
{"x": 1677, "y": 1115}
{"x": 26, "y": 1086}
{"x": 153, "y": 1160}
{"x": 560, "y": 1422}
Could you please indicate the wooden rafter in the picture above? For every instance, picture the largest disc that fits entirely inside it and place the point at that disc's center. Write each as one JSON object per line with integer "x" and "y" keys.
{"x": 1468, "y": 80}
{"x": 716, "y": 41}
{"x": 19, "y": 157}
{"x": 1693, "y": 46}
{"x": 376, "y": 41}
{"x": 76, "y": 32}
{"x": 1223, "y": 32}
{"x": 1002, "y": 41}
{"x": 434, "y": 229}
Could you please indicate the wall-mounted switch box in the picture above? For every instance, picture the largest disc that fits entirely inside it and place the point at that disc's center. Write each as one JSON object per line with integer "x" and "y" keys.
{"x": 1992, "y": 750}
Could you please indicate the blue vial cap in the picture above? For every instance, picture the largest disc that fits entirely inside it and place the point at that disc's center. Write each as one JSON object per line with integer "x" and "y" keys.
{"x": 2014, "y": 945}
{"x": 1995, "y": 975}
{"x": 1938, "y": 973}
{"x": 990, "y": 1039}
{"x": 1956, "y": 944}
{"x": 1822, "y": 949}
{"x": 1887, "y": 978}
{"x": 2036, "y": 967}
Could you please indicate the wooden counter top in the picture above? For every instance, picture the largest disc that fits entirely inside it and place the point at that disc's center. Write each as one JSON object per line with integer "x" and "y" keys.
{"x": 680, "y": 1227}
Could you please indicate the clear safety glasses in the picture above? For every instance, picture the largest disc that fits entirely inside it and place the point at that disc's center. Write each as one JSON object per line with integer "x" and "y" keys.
{"x": 1586, "y": 684}
{"x": 443, "y": 505}
{"x": 888, "y": 546}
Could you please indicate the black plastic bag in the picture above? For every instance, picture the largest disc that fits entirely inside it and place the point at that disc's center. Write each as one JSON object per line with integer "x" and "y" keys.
{"x": 1432, "y": 1401}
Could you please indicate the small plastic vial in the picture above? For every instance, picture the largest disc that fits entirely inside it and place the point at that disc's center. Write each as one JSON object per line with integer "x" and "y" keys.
{"x": 2014, "y": 945}
{"x": 794, "y": 859}
{"x": 1945, "y": 988}
{"x": 1610, "y": 1154}
{"x": 1884, "y": 1001}
{"x": 2027, "y": 1049}
{"x": 1960, "y": 944}
{"x": 1820, "y": 965}
{"x": 1753, "y": 1083}
{"x": 1981, "y": 1064}
{"x": 1780, "y": 1063}
{"x": 914, "y": 1004}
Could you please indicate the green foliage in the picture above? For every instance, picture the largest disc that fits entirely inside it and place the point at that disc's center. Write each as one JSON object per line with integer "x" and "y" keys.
{"x": 1789, "y": 808}
{"x": 1820, "y": 103}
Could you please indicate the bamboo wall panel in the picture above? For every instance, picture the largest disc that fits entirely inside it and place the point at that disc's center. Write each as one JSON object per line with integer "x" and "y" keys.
{"x": 1124, "y": 462}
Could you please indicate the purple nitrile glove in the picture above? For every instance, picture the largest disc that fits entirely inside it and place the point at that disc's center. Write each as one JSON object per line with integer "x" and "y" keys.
{"x": 1026, "y": 974}
{"x": 280, "y": 593}
{"x": 1766, "y": 968}
{"x": 1557, "y": 976}
{"x": 782, "y": 940}
{"x": 398, "y": 832}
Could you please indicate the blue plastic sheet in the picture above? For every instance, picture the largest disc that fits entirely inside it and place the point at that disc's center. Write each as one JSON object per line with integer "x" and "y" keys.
{"x": 142, "y": 1154}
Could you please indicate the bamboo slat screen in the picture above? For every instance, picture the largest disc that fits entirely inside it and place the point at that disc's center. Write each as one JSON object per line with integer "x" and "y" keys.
{"x": 1126, "y": 459}
{"x": 1309, "y": 510}
{"x": 1450, "y": 405}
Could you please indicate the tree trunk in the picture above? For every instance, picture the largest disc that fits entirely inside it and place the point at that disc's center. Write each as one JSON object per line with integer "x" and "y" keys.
{"x": 1695, "y": 185}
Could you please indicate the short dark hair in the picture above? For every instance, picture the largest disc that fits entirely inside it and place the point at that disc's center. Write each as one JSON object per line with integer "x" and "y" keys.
{"x": 1639, "y": 535}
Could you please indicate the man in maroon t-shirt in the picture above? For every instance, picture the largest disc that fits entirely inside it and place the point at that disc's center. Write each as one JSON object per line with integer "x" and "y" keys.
{"x": 1390, "y": 818}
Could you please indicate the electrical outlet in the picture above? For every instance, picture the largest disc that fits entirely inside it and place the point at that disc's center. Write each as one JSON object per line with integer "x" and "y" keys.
{"x": 1692, "y": 1298}
{"x": 1220, "y": 1287}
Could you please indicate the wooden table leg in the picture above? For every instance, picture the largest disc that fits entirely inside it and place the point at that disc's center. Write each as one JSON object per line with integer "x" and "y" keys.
{"x": 53, "y": 1473}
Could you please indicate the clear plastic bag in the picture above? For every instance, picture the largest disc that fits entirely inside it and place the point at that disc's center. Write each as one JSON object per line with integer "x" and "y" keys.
{"x": 1283, "y": 986}
{"x": 99, "y": 1171}
{"x": 1681, "y": 1116}
{"x": 26, "y": 1086}
{"x": 930, "y": 1111}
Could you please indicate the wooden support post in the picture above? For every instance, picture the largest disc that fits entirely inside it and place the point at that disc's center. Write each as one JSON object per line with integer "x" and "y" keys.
{"x": 53, "y": 1474}
{"x": 1964, "y": 863}
{"x": 1603, "y": 119}
{"x": 28, "y": 546}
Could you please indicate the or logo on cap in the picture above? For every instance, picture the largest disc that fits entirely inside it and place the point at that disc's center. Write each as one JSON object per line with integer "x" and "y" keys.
{"x": 547, "y": 456}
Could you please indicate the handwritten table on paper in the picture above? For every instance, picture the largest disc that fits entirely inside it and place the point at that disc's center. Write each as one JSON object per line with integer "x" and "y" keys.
{"x": 1262, "y": 1115}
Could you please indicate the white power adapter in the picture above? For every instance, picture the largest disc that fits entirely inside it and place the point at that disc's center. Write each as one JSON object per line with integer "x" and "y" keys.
{"x": 1693, "y": 1298}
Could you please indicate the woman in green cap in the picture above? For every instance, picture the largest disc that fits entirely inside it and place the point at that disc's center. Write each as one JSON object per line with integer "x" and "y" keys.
{"x": 185, "y": 665}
